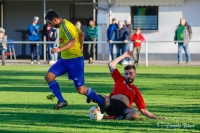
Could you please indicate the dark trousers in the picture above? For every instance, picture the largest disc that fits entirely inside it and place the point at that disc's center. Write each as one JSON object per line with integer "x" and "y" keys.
{"x": 34, "y": 49}
{"x": 92, "y": 48}
{"x": 47, "y": 53}
{"x": 111, "y": 45}
{"x": 121, "y": 49}
{"x": 2, "y": 56}
{"x": 136, "y": 54}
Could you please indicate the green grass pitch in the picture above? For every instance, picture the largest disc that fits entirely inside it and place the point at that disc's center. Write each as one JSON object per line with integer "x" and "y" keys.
{"x": 170, "y": 92}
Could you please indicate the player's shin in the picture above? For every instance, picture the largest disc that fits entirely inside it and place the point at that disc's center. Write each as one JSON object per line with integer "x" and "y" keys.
{"x": 55, "y": 88}
{"x": 92, "y": 95}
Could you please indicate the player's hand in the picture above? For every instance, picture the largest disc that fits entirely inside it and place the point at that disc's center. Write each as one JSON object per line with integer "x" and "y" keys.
{"x": 128, "y": 54}
{"x": 55, "y": 50}
{"x": 125, "y": 41}
{"x": 81, "y": 48}
{"x": 110, "y": 41}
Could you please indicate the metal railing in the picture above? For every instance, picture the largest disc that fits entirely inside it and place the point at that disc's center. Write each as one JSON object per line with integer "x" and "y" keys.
{"x": 92, "y": 42}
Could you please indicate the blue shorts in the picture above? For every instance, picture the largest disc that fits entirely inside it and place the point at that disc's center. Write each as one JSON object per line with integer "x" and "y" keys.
{"x": 74, "y": 67}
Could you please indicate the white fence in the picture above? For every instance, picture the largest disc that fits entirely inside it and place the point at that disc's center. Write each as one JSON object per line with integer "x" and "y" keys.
{"x": 92, "y": 42}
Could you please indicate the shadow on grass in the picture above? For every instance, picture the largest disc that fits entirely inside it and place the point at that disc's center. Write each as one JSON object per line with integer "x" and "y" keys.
{"x": 102, "y": 74}
{"x": 169, "y": 76}
{"x": 31, "y": 80}
{"x": 17, "y": 131}
{"x": 70, "y": 117}
{"x": 187, "y": 108}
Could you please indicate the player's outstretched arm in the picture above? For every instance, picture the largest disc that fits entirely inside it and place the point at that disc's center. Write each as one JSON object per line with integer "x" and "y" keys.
{"x": 68, "y": 45}
{"x": 112, "y": 65}
{"x": 81, "y": 38}
{"x": 148, "y": 114}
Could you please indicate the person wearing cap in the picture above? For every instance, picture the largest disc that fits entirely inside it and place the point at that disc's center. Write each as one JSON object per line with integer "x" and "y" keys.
{"x": 3, "y": 46}
{"x": 110, "y": 31}
{"x": 33, "y": 33}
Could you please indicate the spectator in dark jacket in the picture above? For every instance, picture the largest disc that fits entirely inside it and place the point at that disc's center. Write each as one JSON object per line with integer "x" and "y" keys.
{"x": 121, "y": 34}
{"x": 51, "y": 34}
{"x": 110, "y": 31}
{"x": 183, "y": 33}
{"x": 33, "y": 32}
{"x": 46, "y": 33}
{"x": 54, "y": 36}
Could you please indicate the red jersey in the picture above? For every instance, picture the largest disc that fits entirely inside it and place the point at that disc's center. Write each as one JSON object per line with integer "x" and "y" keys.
{"x": 131, "y": 91}
{"x": 137, "y": 37}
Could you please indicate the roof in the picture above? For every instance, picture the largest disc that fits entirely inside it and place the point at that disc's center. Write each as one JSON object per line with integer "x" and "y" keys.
{"x": 149, "y": 2}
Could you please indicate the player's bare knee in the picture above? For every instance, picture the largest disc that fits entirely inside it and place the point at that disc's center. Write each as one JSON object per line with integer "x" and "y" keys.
{"x": 81, "y": 90}
{"x": 49, "y": 77}
{"x": 135, "y": 116}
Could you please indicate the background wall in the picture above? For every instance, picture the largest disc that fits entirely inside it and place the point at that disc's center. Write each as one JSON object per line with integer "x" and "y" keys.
{"x": 19, "y": 14}
{"x": 169, "y": 17}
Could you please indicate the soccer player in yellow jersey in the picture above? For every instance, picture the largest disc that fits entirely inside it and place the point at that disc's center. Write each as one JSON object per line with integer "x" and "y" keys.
{"x": 71, "y": 62}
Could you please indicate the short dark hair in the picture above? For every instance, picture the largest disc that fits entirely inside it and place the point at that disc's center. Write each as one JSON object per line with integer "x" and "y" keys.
{"x": 51, "y": 14}
{"x": 130, "y": 67}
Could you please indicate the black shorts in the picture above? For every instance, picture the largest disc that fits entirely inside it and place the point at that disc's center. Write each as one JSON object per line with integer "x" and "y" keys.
{"x": 116, "y": 108}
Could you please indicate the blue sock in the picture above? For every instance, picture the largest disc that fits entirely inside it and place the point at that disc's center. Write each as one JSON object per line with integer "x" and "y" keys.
{"x": 92, "y": 95}
{"x": 55, "y": 88}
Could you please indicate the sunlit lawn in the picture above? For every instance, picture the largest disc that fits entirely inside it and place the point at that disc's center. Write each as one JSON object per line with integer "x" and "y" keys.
{"x": 170, "y": 92}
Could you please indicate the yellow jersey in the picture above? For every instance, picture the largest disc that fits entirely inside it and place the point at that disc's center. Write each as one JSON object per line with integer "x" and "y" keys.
{"x": 67, "y": 32}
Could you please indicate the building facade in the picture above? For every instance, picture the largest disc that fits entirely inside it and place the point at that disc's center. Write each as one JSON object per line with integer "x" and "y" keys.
{"x": 18, "y": 14}
{"x": 157, "y": 19}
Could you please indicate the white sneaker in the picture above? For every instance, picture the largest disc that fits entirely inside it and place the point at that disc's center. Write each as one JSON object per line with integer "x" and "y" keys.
{"x": 38, "y": 62}
{"x": 125, "y": 62}
{"x": 52, "y": 62}
{"x": 129, "y": 62}
{"x": 31, "y": 62}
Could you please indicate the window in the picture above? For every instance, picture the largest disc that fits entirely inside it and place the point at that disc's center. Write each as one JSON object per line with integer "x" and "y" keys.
{"x": 145, "y": 18}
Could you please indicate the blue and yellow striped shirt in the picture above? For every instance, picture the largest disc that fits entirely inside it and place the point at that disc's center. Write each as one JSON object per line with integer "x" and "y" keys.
{"x": 68, "y": 32}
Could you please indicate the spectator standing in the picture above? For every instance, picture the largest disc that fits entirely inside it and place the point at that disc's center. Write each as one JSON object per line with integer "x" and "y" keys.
{"x": 89, "y": 19}
{"x": 183, "y": 33}
{"x": 110, "y": 31}
{"x": 137, "y": 38}
{"x": 129, "y": 27}
{"x": 92, "y": 35}
{"x": 120, "y": 34}
{"x": 46, "y": 32}
{"x": 78, "y": 25}
{"x": 54, "y": 36}
{"x": 3, "y": 46}
{"x": 33, "y": 32}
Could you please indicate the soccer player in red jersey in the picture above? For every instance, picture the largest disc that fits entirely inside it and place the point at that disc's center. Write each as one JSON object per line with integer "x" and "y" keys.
{"x": 124, "y": 93}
